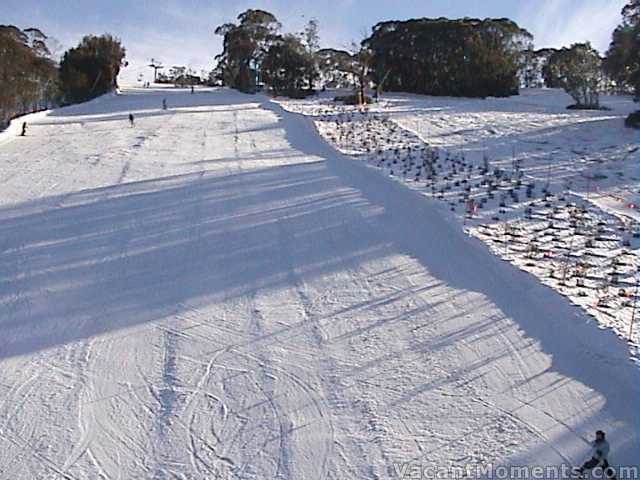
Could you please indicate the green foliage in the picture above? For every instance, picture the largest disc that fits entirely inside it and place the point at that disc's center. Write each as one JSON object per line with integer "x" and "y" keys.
{"x": 312, "y": 44}
{"x": 91, "y": 69}
{"x": 542, "y": 58}
{"x": 466, "y": 57}
{"x": 442, "y": 57}
{"x": 28, "y": 76}
{"x": 245, "y": 45}
{"x": 311, "y": 35}
{"x": 579, "y": 71}
{"x": 350, "y": 67}
{"x": 622, "y": 62}
{"x": 255, "y": 53}
{"x": 534, "y": 69}
{"x": 286, "y": 66}
{"x": 334, "y": 66}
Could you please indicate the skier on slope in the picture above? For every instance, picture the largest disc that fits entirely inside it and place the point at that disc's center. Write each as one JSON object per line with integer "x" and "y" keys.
{"x": 164, "y": 103}
{"x": 131, "y": 119}
{"x": 599, "y": 453}
{"x": 24, "y": 129}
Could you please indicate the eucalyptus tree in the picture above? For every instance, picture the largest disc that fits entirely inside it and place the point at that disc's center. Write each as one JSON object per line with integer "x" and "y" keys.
{"x": 464, "y": 57}
{"x": 340, "y": 65}
{"x": 28, "y": 73}
{"x": 244, "y": 46}
{"x": 622, "y": 62}
{"x": 91, "y": 68}
{"x": 286, "y": 66}
{"x": 578, "y": 70}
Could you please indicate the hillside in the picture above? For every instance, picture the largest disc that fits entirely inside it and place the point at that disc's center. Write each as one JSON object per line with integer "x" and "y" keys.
{"x": 218, "y": 292}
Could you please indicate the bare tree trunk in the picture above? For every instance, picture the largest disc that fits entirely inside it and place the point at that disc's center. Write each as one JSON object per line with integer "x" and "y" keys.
{"x": 380, "y": 85}
{"x": 362, "y": 80}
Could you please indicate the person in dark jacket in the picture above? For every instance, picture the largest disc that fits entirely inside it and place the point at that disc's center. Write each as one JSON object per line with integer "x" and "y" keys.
{"x": 599, "y": 454}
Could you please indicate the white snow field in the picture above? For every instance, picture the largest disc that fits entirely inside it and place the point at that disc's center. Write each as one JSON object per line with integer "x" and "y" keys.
{"x": 217, "y": 293}
{"x": 553, "y": 191}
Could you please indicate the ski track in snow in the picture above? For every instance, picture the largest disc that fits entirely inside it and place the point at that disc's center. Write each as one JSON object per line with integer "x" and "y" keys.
{"x": 576, "y": 225}
{"x": 217, "y": 293}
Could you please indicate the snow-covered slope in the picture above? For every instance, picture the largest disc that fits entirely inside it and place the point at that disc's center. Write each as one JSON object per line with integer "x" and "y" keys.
{"x": 217, "y": 293}
{"x": 553, "y": 191}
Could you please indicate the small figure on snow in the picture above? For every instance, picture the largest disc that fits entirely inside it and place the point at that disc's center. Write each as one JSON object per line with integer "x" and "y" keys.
{"x": 131, "y": 119}
{"x": 24, "y": 129}
{"x": 164, "y": 103}
{"x": 599, "y": 453}
{"x": 191, "y": 89}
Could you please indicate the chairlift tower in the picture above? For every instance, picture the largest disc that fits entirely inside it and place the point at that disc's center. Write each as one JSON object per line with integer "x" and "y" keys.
{"x": 156, "y": 65}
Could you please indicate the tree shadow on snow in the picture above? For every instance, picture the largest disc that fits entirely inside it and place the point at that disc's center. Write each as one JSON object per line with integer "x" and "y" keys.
{"x": 78, "y": 265}
{"x": 83, "y": 264}
{"x": 423, "y": 230}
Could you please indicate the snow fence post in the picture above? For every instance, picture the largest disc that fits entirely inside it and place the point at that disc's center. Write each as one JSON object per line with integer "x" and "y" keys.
{"x": 633, "y": 312}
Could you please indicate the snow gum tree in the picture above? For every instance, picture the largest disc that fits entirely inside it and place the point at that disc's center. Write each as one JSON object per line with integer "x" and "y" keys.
{"x": 28, "y": 72}
{"x": 312, "y": 44}
{"x": 463, "y": 57}
{"x": 334, "y": 67}
{"x": 338, "y": 66}
{"x": 91, "y": 69}
{"x": 578, "y": 70}
{"x": 622, "y": 62}
{"x": 286, "y": 66}
{"x": 244, "y": 46}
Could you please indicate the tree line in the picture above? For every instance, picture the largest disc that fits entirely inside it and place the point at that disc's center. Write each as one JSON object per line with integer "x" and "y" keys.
{"x": 32, "y": 78}
{"x": 467, "y": 57}
{"x": 28, "y": 74}
{"x": 462, "y": 57}
{"x": 254, "y": 52}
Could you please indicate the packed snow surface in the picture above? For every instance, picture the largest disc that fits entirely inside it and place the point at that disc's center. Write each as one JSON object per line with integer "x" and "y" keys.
{"x": 218, "y": 292}
{"x": 555, "y": 192}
